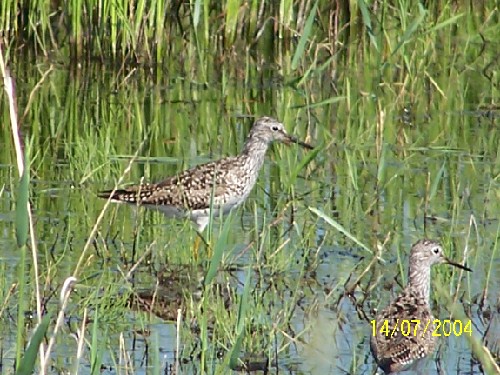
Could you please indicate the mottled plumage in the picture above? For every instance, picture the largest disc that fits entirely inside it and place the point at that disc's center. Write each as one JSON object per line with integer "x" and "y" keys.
{"x": 394, "y": 351}
{"x": 224, "y": 183}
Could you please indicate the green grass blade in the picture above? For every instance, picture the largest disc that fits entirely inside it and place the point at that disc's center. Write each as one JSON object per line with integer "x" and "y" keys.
{"x": 449, "y": 21}
{"x": 381, "y": 166}
{"x": 95, "y": 349}
{"x": 22, "y": 219}
{"x": 301, "y": 46}
{"x": 436, "y": 181}
{"x": 304, "y": 161}
{"x": 243, "y": 305}
{"x": 196, "y": 14}
{"x": 332, "y": 100}
{"x": 21, "y": 304}
{"x": 219, "y": 248}
{"x": 365, "y": 14}
{"x": 234, "y": 355}
{"x": 412, "y": 28}
{"x": 339, "y": 227}
{"x": 232, "y": 9}
{"x": 27, "y": 364}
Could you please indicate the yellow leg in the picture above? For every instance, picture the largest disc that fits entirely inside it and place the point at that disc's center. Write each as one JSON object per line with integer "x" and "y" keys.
{"x": 209, "y": 249}
{"x": 196, "y": 246}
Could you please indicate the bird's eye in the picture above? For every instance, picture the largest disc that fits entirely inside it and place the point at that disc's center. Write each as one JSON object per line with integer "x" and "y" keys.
{"x": 436, "y": 250}
{"x": 275, "y": 128}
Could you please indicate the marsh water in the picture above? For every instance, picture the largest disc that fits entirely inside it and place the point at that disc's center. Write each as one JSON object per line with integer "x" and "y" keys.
{"x": 394, "y": 162}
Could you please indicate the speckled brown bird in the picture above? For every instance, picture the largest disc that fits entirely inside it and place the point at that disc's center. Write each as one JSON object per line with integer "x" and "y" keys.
{"x": 392, "y": 350}
{"x": 222, "y": 184}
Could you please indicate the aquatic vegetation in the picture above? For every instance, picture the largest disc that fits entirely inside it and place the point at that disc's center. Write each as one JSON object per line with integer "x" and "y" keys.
{"x": 401, "y": 102}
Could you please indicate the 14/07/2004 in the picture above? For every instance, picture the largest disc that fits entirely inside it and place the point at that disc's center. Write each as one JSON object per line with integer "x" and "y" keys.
{"x": 414, "y": 327}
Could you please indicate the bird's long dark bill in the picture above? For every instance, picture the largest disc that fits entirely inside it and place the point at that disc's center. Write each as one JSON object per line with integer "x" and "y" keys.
{"x": 300, "y": 143}
{"x": 458, "y": 265}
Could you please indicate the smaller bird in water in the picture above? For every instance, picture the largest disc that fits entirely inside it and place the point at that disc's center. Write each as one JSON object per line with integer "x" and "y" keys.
{"x": 393, "y": 350}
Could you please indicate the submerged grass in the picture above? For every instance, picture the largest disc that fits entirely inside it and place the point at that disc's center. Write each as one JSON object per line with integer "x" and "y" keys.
{"x": 28, "y": 361}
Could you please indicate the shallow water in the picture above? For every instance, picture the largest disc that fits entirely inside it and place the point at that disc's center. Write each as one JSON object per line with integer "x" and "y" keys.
{"x": 436, "y": 177}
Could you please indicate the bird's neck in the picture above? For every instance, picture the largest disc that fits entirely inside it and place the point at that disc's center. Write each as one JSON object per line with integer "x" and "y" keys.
{"x": 254, "y": 152}
{"x": 419, "y": 280}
